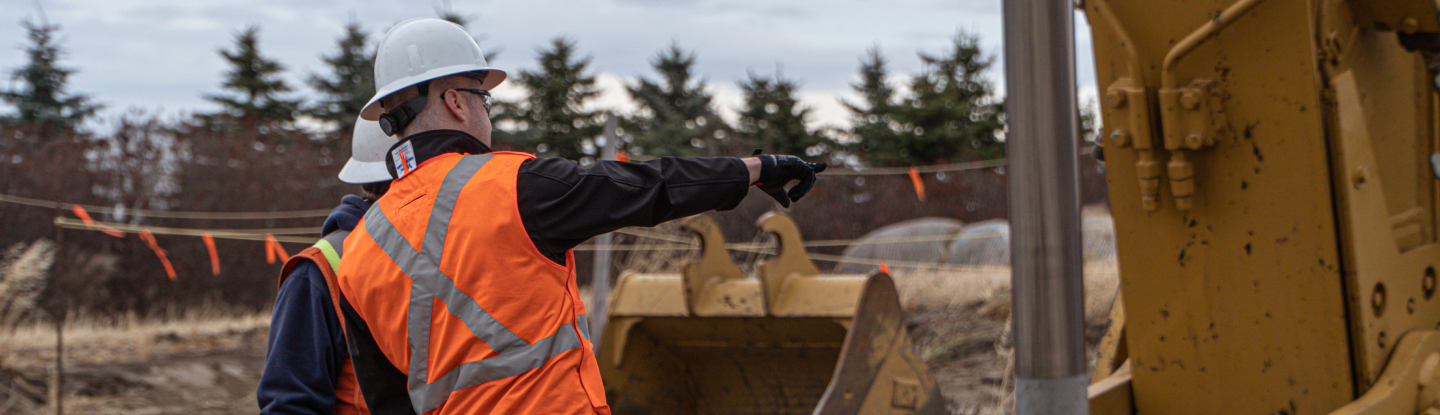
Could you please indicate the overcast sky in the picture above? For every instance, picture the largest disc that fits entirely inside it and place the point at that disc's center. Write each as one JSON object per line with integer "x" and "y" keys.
{"x": 161, "y": 54}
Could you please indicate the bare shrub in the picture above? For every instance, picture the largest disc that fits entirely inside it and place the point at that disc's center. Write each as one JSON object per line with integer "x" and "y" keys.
{"x": 650, "y": 261}
{"x": 22, "y": 279}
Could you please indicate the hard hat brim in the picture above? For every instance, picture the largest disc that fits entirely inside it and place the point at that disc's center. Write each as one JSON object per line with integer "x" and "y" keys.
{"x": 362, "y": 172}
{"x": 372, "y": 111}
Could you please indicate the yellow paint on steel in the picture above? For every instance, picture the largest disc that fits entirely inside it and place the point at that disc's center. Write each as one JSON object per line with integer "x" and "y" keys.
{"x": 1238, "y": 304}
{"x": 705, "y": 342}
{"x": 1383, "y": 130}
{"x": 714, "y": 286}
{"x": 1410, "y": 382}
{"x": 793, "y": 286}
{"x": 1112, "y": 395}
{"x": 1112, "y": 352}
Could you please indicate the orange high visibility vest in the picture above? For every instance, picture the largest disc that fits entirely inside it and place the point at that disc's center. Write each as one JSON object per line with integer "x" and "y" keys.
{"x": 326, "y": 256}
{"x": 458, "y": 298}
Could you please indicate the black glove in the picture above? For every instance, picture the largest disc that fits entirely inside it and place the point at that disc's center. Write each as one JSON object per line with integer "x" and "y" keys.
{"x": 777, "y": 171}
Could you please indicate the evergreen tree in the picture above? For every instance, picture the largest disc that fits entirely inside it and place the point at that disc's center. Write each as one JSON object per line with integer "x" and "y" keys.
{"x": 676, "y": 117}
{"x": 552, "y": 118}
{"x": 256, "y": 84}
{"x": 872, "y": 118}
{"x": 951, "y": 114}
{"x": 772, "y": 119}
{"x": 41, "y": 100}
{"x": 351, "y": 81}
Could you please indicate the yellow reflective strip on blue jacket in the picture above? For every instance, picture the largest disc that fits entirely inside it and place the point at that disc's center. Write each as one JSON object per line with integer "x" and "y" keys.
{"x": 330, "y": 255}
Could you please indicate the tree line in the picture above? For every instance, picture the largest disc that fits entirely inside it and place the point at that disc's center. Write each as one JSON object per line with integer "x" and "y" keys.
{"x": 947, "y": 112}
{"x": 251, "y": 155}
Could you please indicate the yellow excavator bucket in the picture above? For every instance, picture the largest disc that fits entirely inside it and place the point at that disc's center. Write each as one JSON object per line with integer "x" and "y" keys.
{"x": 789, "y": 340}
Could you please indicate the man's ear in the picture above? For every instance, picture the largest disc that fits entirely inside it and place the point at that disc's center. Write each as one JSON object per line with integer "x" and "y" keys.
{"x": 455, "y": 104}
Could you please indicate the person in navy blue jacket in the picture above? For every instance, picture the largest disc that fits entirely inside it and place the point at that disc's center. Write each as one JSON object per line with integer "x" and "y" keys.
{"x": 307, "y": 351}
{"x": 306, "y": 347}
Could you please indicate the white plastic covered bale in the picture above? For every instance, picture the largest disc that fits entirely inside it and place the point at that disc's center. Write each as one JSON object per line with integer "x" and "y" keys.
{"x": 921, "y": 240}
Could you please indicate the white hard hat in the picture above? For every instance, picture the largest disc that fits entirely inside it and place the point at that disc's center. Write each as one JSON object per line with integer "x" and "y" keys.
{"x": 368, "y": 146}
{"x": 419, "y": 50}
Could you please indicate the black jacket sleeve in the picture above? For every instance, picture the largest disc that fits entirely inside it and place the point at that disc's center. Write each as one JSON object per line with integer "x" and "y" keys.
{"x": 563, "y": 205}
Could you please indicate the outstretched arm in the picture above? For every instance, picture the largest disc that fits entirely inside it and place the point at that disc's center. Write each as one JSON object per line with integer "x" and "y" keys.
{"x": 563, "y": 205}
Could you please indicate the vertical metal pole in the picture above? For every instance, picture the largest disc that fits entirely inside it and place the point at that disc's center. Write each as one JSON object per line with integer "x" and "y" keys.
{"x": 601, "y": 277}
{"x": 58, "y": 394}
{"x": 1044, "y": 208}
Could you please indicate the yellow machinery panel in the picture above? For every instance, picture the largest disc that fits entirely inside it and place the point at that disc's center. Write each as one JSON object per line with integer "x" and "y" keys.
{"x": 1220, "y": 185}
{"x": 1382, "y": 124}
{"x": 1272, "y": 169}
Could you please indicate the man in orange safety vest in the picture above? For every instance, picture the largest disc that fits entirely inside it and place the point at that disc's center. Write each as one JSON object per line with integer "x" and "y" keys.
{"x": 458, "y": 286}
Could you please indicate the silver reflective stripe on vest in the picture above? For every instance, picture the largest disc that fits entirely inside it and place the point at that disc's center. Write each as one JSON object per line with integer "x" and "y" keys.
{"x": 584, "y": 326}
{"x": 494, "y": 368}
{"x": 428, "y": 283}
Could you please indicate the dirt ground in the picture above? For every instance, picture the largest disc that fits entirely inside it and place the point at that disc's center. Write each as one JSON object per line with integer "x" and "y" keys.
{"x": 222, "y": 380}
{"x": 190, "y": 365}
{"x": 211, "y": 364}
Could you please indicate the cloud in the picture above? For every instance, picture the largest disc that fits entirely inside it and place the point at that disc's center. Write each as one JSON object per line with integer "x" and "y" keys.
{"x": 661, "y": 3}
{"x": 153, "y": 53}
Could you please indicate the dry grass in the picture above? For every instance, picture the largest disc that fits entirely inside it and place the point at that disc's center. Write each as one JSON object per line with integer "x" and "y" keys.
{"x": 930, "y": 289}
{"x": 203, "y": 361}
{"x": 655, "y": 261}
{"x": 93, "y": 340}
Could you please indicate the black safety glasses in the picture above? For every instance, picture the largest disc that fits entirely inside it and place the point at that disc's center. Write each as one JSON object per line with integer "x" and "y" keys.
{"x": 483, "y": 93}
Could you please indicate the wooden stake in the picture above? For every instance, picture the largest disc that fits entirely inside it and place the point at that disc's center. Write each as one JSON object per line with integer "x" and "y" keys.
{"x": 600, "y": 281}
{"x": 57, "y": 394}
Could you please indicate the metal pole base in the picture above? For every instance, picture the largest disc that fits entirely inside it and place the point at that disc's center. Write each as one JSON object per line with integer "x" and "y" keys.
{"x": 1052, "y": 396}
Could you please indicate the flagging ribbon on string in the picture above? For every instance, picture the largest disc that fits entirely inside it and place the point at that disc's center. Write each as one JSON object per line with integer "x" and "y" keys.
{"x": 919, "y": 184}
{"x": 273, "y": 249}
{"x": 85, "y": 216}
{"x": 678, "y": 242}
{"x": 150, "y": 240}
{"x": 214, "y": 256}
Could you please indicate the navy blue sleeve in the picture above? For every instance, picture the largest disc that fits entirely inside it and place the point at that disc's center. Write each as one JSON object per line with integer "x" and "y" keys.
{"x": 304, "y": 352}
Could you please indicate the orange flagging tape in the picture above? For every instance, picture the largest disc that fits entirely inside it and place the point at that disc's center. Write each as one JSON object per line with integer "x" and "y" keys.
{"x": 884, "y": 268}
{"x": 919, "y": 184}
{"x": 150, "y": 240}
{"x": 214, "y": 256}
{"x": 273, "y": 248}
{"x": 85, "y": 217}
{"x": 621, "y": 155}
